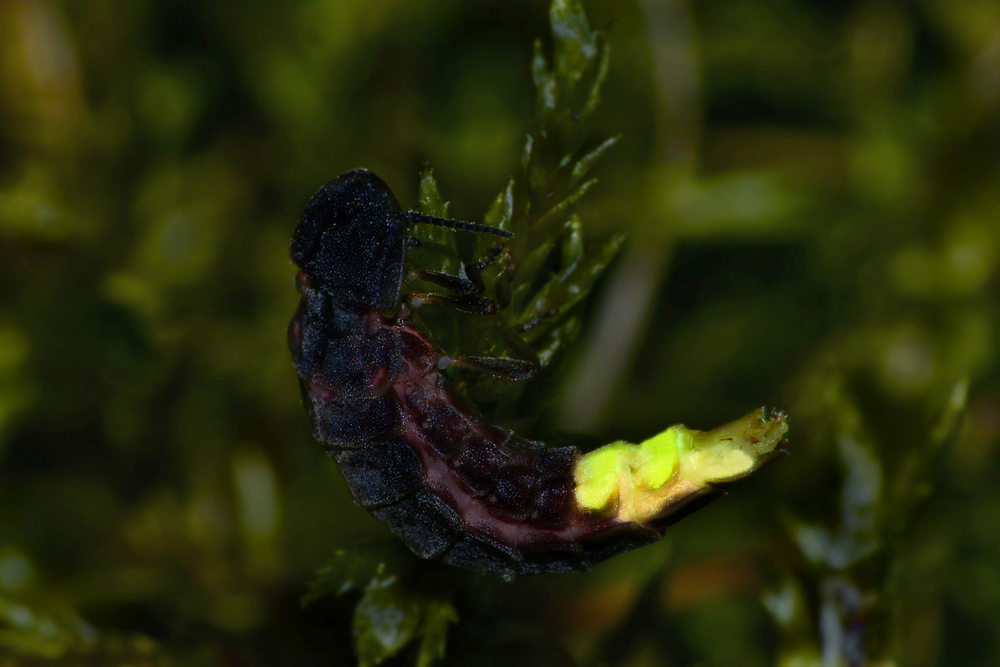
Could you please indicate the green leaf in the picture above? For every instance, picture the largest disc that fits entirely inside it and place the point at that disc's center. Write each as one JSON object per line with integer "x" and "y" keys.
{"x": 390, "y": 615}
{"x": 438, "y": 250}
{"x": 385, "y": 620}
{"x": 501, "y": 213}
{"x": 556, "y": 339}
{"x": 568, "y": 90}
{"x": 948, "y": 421}
{"x": 357, "y": 567}
{"x": 584, "y": 164}
{"x": 576, "y": 44}
{"x": 594, "y": 96}
{"x": 564, "y": 206}
{"x": 431, "y": 201}
{"x": 861, "y": 500}
{"x": 438, "y": 616}
{"x": 572, "y": 245}
{"x": 568, "y": 288}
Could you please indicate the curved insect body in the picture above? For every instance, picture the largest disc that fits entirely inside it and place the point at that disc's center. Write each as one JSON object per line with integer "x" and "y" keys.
{"x": 450, "y": 484}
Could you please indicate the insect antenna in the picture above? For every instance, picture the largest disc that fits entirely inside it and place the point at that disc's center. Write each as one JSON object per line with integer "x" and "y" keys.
{"x": 413, "y": 218}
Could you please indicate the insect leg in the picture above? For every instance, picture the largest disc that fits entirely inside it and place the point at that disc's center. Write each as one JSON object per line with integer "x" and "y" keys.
{"x": 413, "y": 218}
{"x": 535, "y": 321}
{"x": 475, "y": 305}
{"x": 466, "y": 300}
{"x": 469, "y": 285}
{"x": 513, "y": 369}
{"x": 522, "y": 366}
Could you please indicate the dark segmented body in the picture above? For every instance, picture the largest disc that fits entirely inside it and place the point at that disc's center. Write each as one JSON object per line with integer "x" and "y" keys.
{"x": 451, "y": 485}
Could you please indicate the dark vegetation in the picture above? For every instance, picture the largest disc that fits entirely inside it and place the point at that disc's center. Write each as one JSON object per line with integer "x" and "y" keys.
{"x": 810, "y": 196}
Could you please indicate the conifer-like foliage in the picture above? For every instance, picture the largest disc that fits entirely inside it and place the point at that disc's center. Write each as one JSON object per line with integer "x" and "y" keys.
{"x": 545, "y": 270}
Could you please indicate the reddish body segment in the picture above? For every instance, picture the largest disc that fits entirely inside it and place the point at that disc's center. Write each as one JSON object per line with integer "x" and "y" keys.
{"x": 449, "y": 484}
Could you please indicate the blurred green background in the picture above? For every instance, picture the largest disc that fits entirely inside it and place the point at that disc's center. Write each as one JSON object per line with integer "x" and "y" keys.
{"x": 811, "y": 191}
